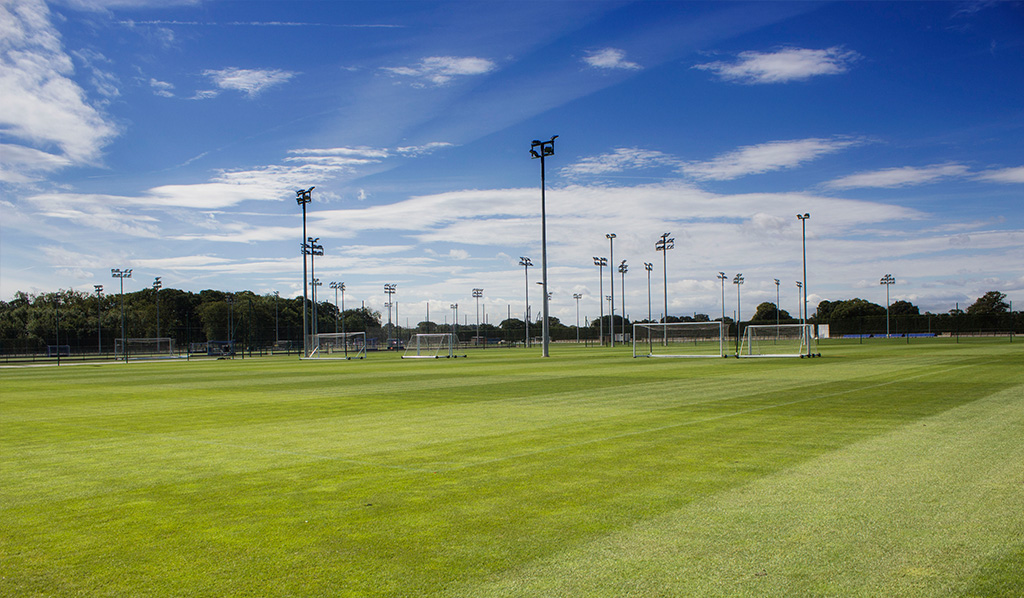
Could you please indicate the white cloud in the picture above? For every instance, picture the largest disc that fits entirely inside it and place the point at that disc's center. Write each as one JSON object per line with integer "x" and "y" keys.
{"x": 766, "y": 157}
{"x": 898, "y": 177}
{"x": 782, "y": 66}
{"x": 251, "y": 82}
{"x": 610, "y": 58}
{"x": 421, "y": 150}
{"x": 44, "y": 110}
{"x": 162, "y": 88}
{"x": 441, "y": 70}
{"x": 1004, "y": 175}
{"x": 618, "y": 160}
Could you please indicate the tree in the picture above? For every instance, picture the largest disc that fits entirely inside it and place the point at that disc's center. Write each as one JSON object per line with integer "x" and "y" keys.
{"x": 850, "y": 308}
{"x": 767, "y": 311}
{"x": 991, "y": 303}
{"x": 903, "y": 308}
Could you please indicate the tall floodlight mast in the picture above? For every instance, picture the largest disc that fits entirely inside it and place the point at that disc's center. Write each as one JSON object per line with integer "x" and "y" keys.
{"x": 122, "y": 274}
{"x": 577, "y": 297}
{"x": 601, "y": 262}
{"x": 738, "y": 281}
{"x": 477, "y": 294}
{"x": 611, "y": 277}
{"x": 526, "y": 263}
{"x": 542, "y": 149}
{"x": 803, "y": 237}
{"x": 99, "y": 319}
{"x": 623, "y": 268}
{"x": 303, "y": 197}
{"x": 157, "y": 285}
{"x": 888, "y": 280}
{"x": 663, "y": 245}
{"x": 389, "y": 290}
{"x": 723, "y": 277}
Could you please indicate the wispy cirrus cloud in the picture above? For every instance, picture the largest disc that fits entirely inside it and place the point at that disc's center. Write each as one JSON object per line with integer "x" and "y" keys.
{"x": 890, "y": 178}
{"x": 441, "y": 70}
{"x": 162, "y": 88}
{"x": 1003, "y": 175}
{"x": 782, "y": 66}
{"x": 765, "y": 157}
{"x": 619, "y": 160}
{"x": 610, "y": 58}
{"x": 251, "y": 82}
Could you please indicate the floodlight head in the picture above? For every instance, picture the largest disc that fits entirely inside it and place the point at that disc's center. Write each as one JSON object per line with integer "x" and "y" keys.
{"x": 534, "y": 154}
{"x": 738, "y": 279}
{"x": 803, "y": 216}
{"x": 525, "y": 261}
{"x": 536, "y": 142}
{"x": 610, "y": 235}
{"x": 799, "y": 284}
{"x": 648, "y": 266}
{"x": 776, "y": 282}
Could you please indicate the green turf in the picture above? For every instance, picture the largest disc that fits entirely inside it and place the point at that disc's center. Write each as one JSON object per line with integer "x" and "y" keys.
{"x": 877, "y": 470}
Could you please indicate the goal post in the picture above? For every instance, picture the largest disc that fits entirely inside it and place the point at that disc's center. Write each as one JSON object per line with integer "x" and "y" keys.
{"x": 430, "y": 346}
{"x": 783, "y": 340}
{"x": 144, "y": 347}
{"x": 338, "y": 345}
{"x": 679, "y": 339}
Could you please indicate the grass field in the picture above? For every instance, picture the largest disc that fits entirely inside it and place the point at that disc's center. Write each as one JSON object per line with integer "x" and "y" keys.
{"x": 880, "y": 469}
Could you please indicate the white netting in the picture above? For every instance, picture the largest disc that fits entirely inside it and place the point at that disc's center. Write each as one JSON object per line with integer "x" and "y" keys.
{"x": 679, "y": 339}
{"x": 430, "y": 346}
{"x": 784, "y": 340}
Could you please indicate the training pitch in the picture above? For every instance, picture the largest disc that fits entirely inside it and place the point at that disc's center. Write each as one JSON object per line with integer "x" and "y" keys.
{"x": 880, "y": 469}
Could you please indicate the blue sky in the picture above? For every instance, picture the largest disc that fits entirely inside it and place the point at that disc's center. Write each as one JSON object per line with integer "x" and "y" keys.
{"x": 170, "y": 137}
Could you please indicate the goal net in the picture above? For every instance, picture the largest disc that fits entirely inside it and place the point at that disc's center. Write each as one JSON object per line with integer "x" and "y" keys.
{"x": 144, "y": 347}
{"x": 338, "y": 345}
{"x": 679, "y": 339}
{"x": 784, "y": 340}
{"x": 430, "y": 346}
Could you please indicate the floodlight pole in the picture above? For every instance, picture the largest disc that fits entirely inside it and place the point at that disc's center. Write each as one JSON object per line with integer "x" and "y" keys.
{"x": 314, "y": 249}
{"x": 157, "y": 285}
{"x": 778, "y": 308}
{"x": 122, "y": 274}
{"x": 738, "y": 281}
{"x": 303, "y": 197}
{"x": 99, "y": 319}
{"x": 542, "y": 149}
{"x": 722, "y": 276}
{"x": 663, "y": 245}
{"x": 526, "y": 263}
{"x": 277, "y": 320}
{"x": 477, "y": 294}
{"x": 337, "y": 315}
{"x": 455, "y": 320}
{"x": 577, "y": 297}
{"x": 649, "y": 266}
{"x": 799, "y": 314}
{"x": 888, "y": 280}
{"x": 803, "y": 237}
{"x": 389, "y": 290}
{"x": 611, "y": 276}
{"x": 623, "y": 268}
{"x": 601, "y": 262}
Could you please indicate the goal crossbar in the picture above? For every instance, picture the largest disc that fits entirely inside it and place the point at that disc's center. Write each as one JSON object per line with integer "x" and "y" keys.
{"x": 783, "y": 340}
{"x": 151, "y": 347}
{"x": 679, "y": 339}
{"x": 430, "y": 346}
{"x": 338, "y": 345}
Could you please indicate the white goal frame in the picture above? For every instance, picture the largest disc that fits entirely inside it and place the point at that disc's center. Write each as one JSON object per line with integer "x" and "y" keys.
{"x": 430, "y": 346}
{"x": 144, "y": 347}
{"x": 338, "y": 346}
{"x": 783, "y": 340}
{"x": 679, "y": 339}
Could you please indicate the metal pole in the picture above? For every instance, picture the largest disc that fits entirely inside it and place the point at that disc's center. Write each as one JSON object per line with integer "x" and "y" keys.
{"x": 611, "y": 276}
{"x": 803, "y": 236}
{"x": 526, "y": 263}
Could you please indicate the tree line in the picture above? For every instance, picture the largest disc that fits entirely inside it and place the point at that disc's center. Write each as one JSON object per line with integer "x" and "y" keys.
{"x": 30, "y": 322}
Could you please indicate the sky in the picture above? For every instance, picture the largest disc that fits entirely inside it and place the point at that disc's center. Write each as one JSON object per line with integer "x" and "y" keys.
{"x": 170, "y": 137}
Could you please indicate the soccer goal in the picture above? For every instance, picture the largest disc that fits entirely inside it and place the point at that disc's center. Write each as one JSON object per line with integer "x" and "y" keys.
{"x": 144, "y": 347}
{"x": 430, "y": 346}
{"x": 784, "y": 340}
{"x": 338, "y": 345}
{"x": 679, "y": 339}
